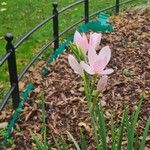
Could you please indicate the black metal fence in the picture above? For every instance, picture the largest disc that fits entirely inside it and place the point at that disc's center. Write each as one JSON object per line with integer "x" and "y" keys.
{"x": 10, "y": 56}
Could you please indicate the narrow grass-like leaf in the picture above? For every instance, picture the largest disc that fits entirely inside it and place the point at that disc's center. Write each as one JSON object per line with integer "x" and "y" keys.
{"x": 64, "y": 145}
{"x": 128, "y": 129}
{"x": 43, "y": 122}
{"x": 49, "y": 147}
{"x": 112, "y": 134}
{"x": 39, "y": 144}
{"x": 145, "y": 134}
{"x": 87, "y": 90}
{"x": 121, "y": 128}
{"x": 129, "y": 133}
{"x": 134, "y": 121}
{"x": 56, "y": 142}
{"x": 133, "y": 126}
{"x": 96, "y": 136}
{"x": 101, "y": 126}
{"x": 83, "y": 141}
{"x": 74, "y": 141}
{"x": 136, "y": 142}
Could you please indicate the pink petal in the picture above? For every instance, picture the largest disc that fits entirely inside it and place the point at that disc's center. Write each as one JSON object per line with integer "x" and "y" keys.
{"x": 81, "y": 41}
{"x": 107, "y": 71}
{"x": 105, "y": 53}
{"x": 95, "y": 39}
{"x": 77, "y": 36}
{"x": 102, "y": 83}
{"x": 99, "y": 65}
{"x": 84, "y": 43}
{"x": 92, "y": 56}
{"x": 75, "y": 65}
{"x": 81, "y": 45}
{"x": 87, "y": 68}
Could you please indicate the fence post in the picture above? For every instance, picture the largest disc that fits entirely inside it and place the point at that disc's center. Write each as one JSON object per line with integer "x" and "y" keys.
{"x": 12, "y": 69}
{"x": 117, "y": 6}
{"x": 55, "y": 26}
{"x": 86, "y": 10}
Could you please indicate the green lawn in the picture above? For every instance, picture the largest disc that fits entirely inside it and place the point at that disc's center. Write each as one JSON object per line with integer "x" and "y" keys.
{"x": 19, "y": 16}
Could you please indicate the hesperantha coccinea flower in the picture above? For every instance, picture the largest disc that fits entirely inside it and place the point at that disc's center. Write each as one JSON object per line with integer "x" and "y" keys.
{"x": 84, "y": 43}
{"x": 97, "y": 62}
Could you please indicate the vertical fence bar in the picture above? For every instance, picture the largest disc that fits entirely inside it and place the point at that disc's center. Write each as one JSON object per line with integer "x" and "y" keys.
{"x": 12, "y": 69}
{"x": 86, "y": 10}
{"x": 55, "y": 26}
{"x": 117, "y": 6}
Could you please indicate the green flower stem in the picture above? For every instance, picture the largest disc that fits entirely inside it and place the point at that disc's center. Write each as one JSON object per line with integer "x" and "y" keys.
{"x": 95, "y": 100}
{"x": 93, "y": 83}
{"x": 87, "y": 87}
{"x": 89, "y": 102}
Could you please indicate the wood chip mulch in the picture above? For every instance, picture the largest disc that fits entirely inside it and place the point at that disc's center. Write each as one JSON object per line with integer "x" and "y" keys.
{"x": 66, "y": 108}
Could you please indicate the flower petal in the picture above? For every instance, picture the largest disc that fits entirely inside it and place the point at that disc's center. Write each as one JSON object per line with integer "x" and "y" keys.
{"x": 95, "y": 39}
{"x": 105, "y": 53}
{"x": 102, "y": 83}
{"x": 107, "y": 71}
{"x": 87, "y": 68}
{"x": 92, "y": 56}
{"x": 77, "y": 36}
{"x": 81, "y": 41}
{"x": 99, "y": 65}
{"x": 75, "y": 65}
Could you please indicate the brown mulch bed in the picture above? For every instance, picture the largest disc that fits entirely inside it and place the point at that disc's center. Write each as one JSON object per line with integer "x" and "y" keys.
{"x": 66, "y": 108}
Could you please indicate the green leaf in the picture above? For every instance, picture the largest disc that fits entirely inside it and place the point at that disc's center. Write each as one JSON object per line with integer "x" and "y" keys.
{"x": 96, "y": 136}
{"x": 49, "y": 147}
{"x": 133, "y": 125}
{"x": 64, "y": 145}
{"x": 121, "y": 130}
{"x": 129, "y": 132}
{"x": 57, "y": 144}
{"x": 101, "y": 126}
{"x": 112, "y": 134}
{"x": 43, "y": 122}
{"x": 136, "y": 142}
{"x": 74, "y": 141}
{"x": 39, "y": 144}
{"x": 145, "y": 134}
{"x": 83, "y": 141}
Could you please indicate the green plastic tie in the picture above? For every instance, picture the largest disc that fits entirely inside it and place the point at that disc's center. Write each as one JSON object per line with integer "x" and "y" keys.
{"x": 100, "y": 25}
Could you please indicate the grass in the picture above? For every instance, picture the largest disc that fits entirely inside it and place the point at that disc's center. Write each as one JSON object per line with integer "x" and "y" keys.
{"x": 20, "y": 16}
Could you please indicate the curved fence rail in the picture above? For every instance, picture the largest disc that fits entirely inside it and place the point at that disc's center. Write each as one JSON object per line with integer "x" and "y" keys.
{"x": 10, "y": 48}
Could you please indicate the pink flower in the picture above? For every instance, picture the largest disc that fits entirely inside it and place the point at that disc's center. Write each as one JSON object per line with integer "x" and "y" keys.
{"x": 102, "y": 83}
{"x": 95, "y": 39}
{"x": 97, "y": 63}
{"x": 82, "y": 42}
{"x": 75, "y": 65}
